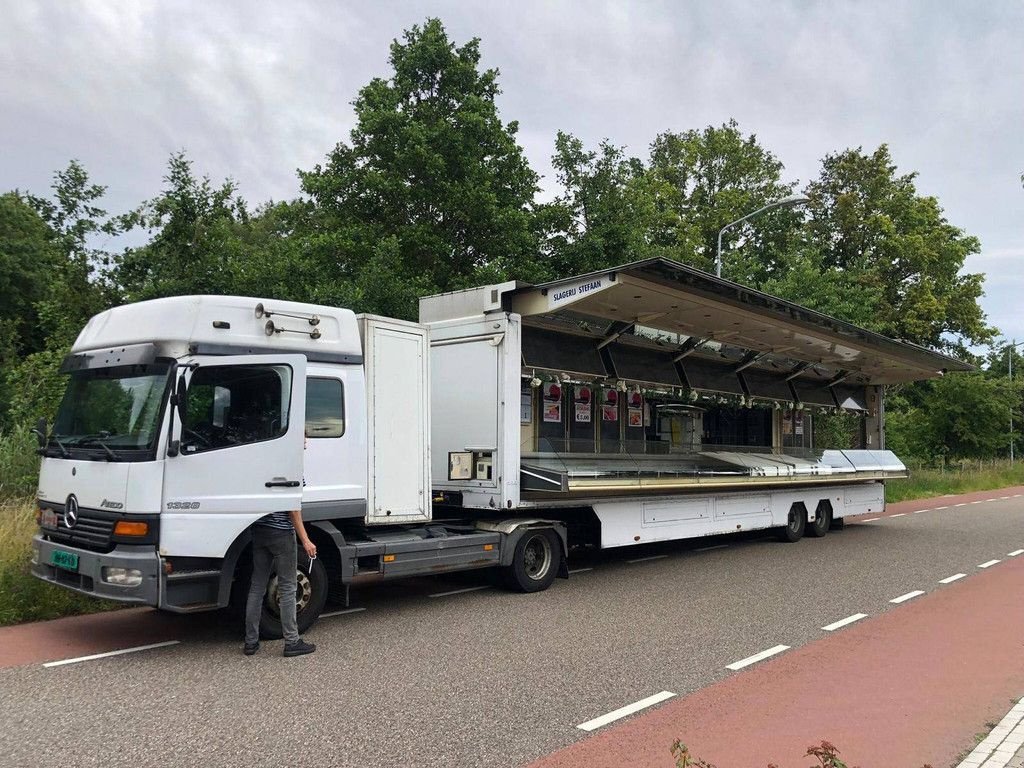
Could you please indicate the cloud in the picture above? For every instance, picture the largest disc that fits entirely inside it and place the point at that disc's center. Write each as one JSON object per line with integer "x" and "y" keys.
{"x": 256, "y": 90}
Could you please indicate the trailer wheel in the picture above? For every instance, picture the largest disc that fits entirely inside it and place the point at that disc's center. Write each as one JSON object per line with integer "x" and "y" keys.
{"x": 822, "y": 519}
{"x": 310, "y": 597}
{"x": 795, "y": 524}
{"x": 535, "y": 561}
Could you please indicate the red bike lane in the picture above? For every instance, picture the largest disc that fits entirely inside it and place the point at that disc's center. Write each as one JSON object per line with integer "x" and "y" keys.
{"x": 911, "y": 686}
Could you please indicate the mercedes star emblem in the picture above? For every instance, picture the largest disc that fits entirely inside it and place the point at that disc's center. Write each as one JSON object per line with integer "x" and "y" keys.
{"x": 71, "y": 511}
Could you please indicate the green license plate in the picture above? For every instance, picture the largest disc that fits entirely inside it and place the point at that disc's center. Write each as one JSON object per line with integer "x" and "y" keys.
{"x": 65, "y": 560}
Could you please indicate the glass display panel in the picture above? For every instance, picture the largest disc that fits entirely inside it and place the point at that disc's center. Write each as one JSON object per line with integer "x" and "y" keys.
{"x": 638, "y": 364}
{"x": 561, "y": 352}
{"x": 851, "y": 398}
{"x": 767, "y": 386}
{"x": 813, "y": 393}
{"x": 708, "y": 376}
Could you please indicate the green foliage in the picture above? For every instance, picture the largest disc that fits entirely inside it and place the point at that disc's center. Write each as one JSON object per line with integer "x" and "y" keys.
{"x": 36, "y": 387}
{"x": 431, "y": 165}
{"x": 716, "y": 176}
{"x": 954, "y": 477}
{"x": 79, "y": 284}
{"x": 72, "y": 285}
{"x": 870, "y": 225}
{"x": 194, "y": 234}
{"x": 960, "y": 415}
{"x": 27, "y": 258}
{"x": 19, "y": 464}
{"x": 825, "y": 753}
{"x": 22, "y": 596}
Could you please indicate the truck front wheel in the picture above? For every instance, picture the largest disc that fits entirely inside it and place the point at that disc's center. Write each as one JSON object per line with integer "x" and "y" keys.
{"x": 535, "y": 562}
{"x": 310, "y": 597}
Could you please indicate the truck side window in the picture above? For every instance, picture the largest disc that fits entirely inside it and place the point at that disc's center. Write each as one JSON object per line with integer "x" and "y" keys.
{"x": 236, "y": 405}
{"x": 325, "y": 408}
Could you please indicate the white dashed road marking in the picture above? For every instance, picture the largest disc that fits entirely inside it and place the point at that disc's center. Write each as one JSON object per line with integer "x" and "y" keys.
{"x": 1015, "y": 553}
{"x": 901, "y": 514}
{"x": 908, "y": 596}
{"x": 961, "y": 505}
{"x": 988, "y": 564}
{"x": 580, "y": 570}
{"x": 111, "y": 653}
{"x": 843, "y": 622}
{"x": 460, "y": 591}
{"x": 951, "y": 579}
{"x": 341, "y": 613}
{"x": 756, "y": 657}
{"x": 871, "y": 520}
{"x": 938, "y": 508}
{"x": 629, "y": 709}
{"x": 645, "y": 559}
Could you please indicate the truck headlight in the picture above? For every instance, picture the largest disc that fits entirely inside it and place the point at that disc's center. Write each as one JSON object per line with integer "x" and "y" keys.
{"x": 122, "y": 577}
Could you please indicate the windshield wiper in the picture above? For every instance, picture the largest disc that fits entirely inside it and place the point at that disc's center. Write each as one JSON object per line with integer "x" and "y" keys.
{"x": 64, "y": 452}
{"x": 88, "y": 440}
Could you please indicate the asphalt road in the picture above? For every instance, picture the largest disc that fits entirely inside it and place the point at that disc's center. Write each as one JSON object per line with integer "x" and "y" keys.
{"x": 486, "y": 677}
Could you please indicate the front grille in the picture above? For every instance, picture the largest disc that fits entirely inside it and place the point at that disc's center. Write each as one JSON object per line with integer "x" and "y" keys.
{"x": 93, "y": 531}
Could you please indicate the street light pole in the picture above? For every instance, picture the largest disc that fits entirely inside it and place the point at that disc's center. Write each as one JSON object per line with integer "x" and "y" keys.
{"x": 1009, "y": 363}
{"x": 790, "y": 201}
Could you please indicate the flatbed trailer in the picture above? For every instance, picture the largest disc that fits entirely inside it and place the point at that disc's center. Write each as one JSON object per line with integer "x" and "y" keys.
{"x": 652, "y": 402}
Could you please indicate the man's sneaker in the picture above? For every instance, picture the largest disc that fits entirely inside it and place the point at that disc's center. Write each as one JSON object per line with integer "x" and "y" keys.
{"x": 251, "y": 648}
{"x": 300, "y": 648}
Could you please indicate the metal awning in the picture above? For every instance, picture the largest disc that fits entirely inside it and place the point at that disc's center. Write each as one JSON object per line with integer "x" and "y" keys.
{"x": 687, "y": 303}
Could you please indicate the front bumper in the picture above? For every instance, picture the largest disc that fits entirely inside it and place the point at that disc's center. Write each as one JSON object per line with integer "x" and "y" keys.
{"x": 87, "y": 579}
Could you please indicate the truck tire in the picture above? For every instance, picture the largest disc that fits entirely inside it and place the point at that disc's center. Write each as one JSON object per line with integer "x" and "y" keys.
{"x": 822, "y": 519}
{"x": 535, "y": 562}
{"x": 796, "y": 523}
{"x": 310, "y": 597}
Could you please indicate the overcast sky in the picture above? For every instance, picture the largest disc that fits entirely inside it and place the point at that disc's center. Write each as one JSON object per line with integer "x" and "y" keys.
{"x": 255, "y": 90}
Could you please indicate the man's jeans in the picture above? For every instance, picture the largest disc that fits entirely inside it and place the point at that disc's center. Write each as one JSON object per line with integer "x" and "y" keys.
{"x": 272, "y": 550}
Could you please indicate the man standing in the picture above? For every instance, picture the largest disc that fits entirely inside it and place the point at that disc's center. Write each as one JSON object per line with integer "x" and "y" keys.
{"x": 273, "y": 549}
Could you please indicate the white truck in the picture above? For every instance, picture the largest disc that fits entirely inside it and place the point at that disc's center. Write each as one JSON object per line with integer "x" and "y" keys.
{"x": 650, "y": 402}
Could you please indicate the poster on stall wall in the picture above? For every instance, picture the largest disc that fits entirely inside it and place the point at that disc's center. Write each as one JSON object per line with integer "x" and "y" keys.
{"x": 636, "y": 417}
{"x": 609, "y": 413}
{"x": 582, "y": 413}
{"x": 798, "y": 423}
{"x": 525, "y": 407}
{"x": 553, "y": 412}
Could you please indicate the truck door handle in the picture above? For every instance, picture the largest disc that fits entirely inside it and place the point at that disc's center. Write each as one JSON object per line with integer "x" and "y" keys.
{"x": 282, "y": 484}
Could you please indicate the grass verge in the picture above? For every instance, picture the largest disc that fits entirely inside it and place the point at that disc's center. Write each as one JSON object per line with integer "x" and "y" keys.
{"x": 22, "y": 596}
{"x": 954, "y": 479}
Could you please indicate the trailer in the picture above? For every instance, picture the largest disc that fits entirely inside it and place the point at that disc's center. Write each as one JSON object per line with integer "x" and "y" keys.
{"x": 513, "y": 422}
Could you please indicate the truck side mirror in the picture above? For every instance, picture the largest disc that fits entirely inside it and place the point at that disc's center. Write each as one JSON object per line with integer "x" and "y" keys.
{"x": 40, "y": 432}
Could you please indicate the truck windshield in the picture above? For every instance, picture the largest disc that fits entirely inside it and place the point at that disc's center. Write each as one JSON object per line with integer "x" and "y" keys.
{"x": 114, "y": 412}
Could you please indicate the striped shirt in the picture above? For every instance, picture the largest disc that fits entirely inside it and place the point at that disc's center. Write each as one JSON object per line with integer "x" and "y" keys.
{"x": 280, "y": 521}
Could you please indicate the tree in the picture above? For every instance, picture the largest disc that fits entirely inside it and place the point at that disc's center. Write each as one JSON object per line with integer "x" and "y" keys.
{"x": 28, "y": 258}
{"x": 606, "y": 214}
{"x": 870, "y": 223}
{"x": 719, "y": 175}
{"x": 79, "y": 286}
{"x": 194, "y": 232}
{"x": 961, "y": 415}
{"x": 431, "y": 165}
